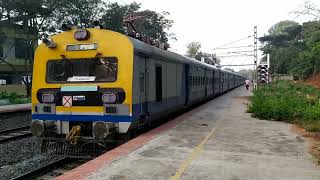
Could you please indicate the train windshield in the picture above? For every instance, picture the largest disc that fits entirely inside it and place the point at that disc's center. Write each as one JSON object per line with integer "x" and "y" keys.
{"x": 101, "y": 69}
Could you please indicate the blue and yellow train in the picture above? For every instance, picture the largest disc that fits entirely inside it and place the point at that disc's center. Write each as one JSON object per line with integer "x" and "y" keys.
{"x": 91, "y": 86}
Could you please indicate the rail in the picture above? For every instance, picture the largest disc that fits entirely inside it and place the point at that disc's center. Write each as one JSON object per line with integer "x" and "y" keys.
{"x": 16, "y": 133}
{"x": 41, "y": 170}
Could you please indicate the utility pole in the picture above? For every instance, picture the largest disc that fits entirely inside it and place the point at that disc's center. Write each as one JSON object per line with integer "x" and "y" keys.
{"x": 255, "y": 55}
{"x": 268, "y": 63}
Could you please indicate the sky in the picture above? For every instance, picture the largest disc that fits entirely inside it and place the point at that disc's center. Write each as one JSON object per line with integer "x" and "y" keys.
{"x": 217, "y": 22}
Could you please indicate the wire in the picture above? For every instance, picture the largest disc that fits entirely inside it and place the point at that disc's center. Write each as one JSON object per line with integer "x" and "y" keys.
{"x": 234, "y": 42}
{"x": 235, "y": 55}
{"x": 237, "y": 65}
{"x": 235, "y": 47}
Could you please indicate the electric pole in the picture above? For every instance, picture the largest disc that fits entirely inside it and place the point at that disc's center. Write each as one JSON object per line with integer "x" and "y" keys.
{"x": 255, "y": 54}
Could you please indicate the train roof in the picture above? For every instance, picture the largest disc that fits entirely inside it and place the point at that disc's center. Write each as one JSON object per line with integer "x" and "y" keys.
{"x": 157, "y": 53}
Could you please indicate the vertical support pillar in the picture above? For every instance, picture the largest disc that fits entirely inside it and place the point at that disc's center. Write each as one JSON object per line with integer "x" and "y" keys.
{"x": 268, "y": 68}
{"x": 255, "y": 56}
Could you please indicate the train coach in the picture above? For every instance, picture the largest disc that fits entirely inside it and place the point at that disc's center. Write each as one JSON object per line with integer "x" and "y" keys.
{"x": 92, "y": 86}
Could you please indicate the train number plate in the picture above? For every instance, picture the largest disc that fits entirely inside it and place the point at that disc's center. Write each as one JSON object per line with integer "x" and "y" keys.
{"x": 78, "y": 98}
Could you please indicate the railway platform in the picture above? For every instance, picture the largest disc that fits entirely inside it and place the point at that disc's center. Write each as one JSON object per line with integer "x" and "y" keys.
{"x": 217, "y": 140}
{"x": 15, "y": 108}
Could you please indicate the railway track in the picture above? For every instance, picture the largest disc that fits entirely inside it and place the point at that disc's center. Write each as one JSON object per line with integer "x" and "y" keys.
{"x": 16, "y": 133}
{"x": 36, "y": 172}
{"x": 52, "y": 169}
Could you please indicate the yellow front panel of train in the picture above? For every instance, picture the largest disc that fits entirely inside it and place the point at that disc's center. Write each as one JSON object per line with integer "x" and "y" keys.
{"x": 111, "y": 47}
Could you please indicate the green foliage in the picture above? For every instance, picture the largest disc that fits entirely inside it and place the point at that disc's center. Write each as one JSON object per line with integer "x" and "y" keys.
{"x": 248, "y": 73}
{"x": 281, "y": 27}
{"x": 48, "y": 16}
{"x": 287, "y": 101}
{"x": 113, "y": 16}
{"x": 155, "y": 25}
{"x": 193, "y": 49}
{"x": 20, "y": 101}
{"x": 293, "y": 48}
{"x": 4, "y": 95}
{"x": 80, "y": 13}
{"x": 152, "y": 24}
{"x": 14, "y": 98}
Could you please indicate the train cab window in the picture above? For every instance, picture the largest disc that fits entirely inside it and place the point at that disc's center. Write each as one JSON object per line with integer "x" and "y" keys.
{"x": 158, "y": 83}
{"x": 102, "y": 69}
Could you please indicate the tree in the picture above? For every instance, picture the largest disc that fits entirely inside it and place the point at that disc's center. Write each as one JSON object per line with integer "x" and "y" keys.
{"x": 113, "y": 16}
{"x": 79, "y": 13}
{"x": 193, "y": 49}
{"x": 281, "y": 27}
{"x": 152, "y": 24}
{"x": 294, "y": 49}
{"x": 248, "y": 73}
{"x": 229, "y": 69}
{"x": 283, "y": 44}
{"x": 308, "y": 9}
{"x": 30, "y": 14}
{"x": 155, "y": 26}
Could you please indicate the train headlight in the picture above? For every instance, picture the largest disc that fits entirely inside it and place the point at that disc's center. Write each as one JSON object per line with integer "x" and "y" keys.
{"x": 100, "y": 130}
{"x": 81, "y": 34}
{"x": 109, "y": 98}
{"x": 47, "y": 98}
{"x": 37, "y": 128}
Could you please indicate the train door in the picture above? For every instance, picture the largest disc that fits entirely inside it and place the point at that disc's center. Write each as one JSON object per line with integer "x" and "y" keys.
{"x": 143, "y": 78}
{"x": 229, "y": 81}
{"x": 213, "y": 82}
{"x": 188, "y": 81}
{"x": 205, "y": 83}
{"x": 221, "y": 82}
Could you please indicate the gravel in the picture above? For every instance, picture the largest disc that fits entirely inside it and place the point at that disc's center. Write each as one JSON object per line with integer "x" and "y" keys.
{"x": 14, "y": 120}
{"x": 20, "y": 156}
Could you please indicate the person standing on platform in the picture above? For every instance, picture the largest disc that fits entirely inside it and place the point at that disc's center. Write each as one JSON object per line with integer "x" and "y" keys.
{"x": 247, "y": 83}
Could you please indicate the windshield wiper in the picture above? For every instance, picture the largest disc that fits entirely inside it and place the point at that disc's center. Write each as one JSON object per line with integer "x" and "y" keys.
{"x": 67, "y": 68}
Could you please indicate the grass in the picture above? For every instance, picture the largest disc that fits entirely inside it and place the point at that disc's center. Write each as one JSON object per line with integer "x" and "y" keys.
{"x": 288, "y": 101}
{"x": 14, "y": 98}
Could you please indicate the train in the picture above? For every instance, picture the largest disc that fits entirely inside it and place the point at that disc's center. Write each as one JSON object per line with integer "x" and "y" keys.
{"x": 93, "y": 86}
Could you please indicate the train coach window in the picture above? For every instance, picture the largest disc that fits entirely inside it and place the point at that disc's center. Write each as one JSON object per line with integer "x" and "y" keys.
{"x": 158, "y": 83}
{"x": 1, "y": 51}
{"x": 102, "y": 69}
{"x": 190, "y": 81}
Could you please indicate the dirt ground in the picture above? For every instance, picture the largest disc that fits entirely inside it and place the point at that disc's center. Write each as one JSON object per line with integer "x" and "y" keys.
{"x": 313, "y": 140}
{"x": 313, "y": 81}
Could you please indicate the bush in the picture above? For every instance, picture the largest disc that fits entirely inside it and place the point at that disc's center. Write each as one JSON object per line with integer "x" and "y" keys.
{"x": 14, "y": 98}
{"x": 288, "y": 101}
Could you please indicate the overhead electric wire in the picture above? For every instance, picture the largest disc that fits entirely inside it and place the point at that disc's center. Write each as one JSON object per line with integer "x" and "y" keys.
{"x": 238, "y": 55}
{"x": 235, "y": 47}
{"x": 237, "y": 65}
{"x": 234, "y": 42}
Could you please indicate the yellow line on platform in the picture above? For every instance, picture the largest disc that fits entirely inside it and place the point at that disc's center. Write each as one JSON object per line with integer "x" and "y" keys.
{"x": 196, "y": 151}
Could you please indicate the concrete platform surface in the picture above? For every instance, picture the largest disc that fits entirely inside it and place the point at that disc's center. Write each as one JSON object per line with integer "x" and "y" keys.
{"x": 215, "y": 141}
{"x": 15, "y": 108}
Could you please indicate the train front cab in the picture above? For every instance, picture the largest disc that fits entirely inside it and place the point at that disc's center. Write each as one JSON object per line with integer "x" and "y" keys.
{"x": 68, "y": 91}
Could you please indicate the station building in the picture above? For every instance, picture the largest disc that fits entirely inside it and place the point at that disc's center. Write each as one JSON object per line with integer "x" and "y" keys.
{"x": 17, "y": 45}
